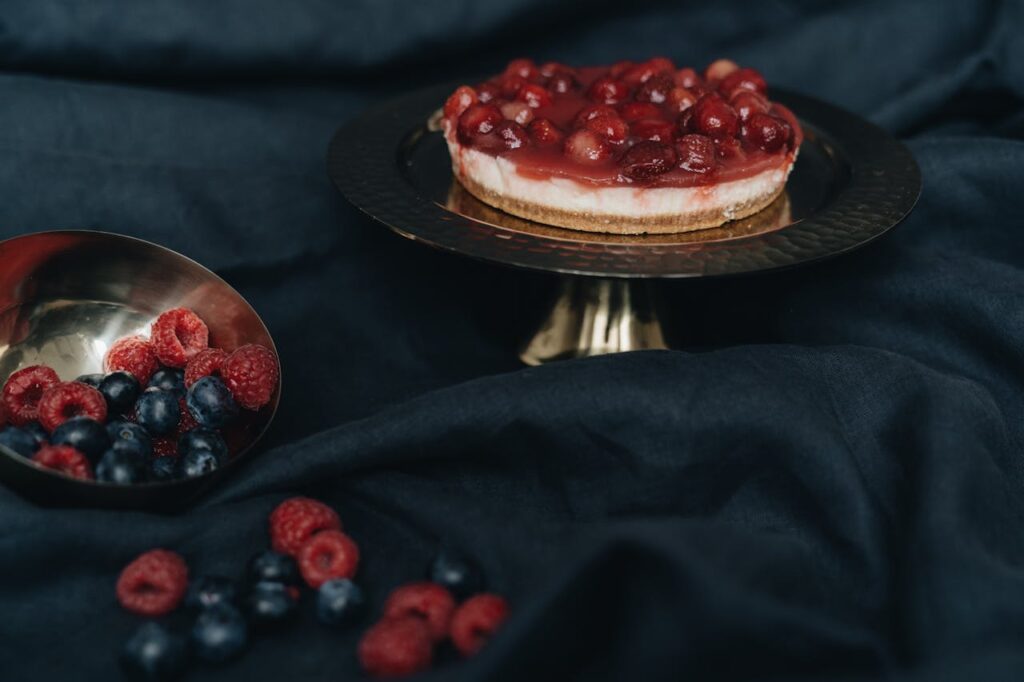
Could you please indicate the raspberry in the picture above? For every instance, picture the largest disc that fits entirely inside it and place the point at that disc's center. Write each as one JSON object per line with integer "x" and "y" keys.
{"x": 66, "y": 460}
{"x": 71, "y": 399}
{"x": 205, "y": 363}
{"x": 251, "y": 374}
{"x": 296, "y": 519}
{"x": 165, "y": 447}
{"x": 177, "y": 335}
{"x": 396, "y": 648}
{"x": 186, "y": 422}
{"x": 426, "y": 600}
{"x": 153, "y": 584}
{"x": 23, "y": 390}
{"x": 476, "y": 620}
{"x": 132, "y": 354}
{"x": 327, "y": 555}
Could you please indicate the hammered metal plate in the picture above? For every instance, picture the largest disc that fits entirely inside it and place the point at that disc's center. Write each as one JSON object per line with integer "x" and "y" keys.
{"x": 851, "y": 183}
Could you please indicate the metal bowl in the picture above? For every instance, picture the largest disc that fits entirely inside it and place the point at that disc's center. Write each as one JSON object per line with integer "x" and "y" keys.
{"x": 66, "y": 296}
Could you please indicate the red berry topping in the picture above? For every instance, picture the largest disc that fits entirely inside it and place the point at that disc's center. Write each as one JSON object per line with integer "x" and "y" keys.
{"x": 487, "y": 92}
{"x": 293, "y": 521}
{"x": 610, "y": 127}
{"x": 23, "y": 390}
{"x": 620, "y": 68}
{"x": 635, "y": 111}
{"x": 132, "y": 354}
{"x": 655, "y": 90}
{"x": 251, "y": 374}
{"x": 696, "y": 153}
{"x": 648, "y": 159}
{"x": 644, "y": 72}
{"x": 765, "y": 132}
{"x": 588, "y": 113}
{"x": 561, "y": 79}
{"x": 153, "y": 584}
{"x": 729, "y": 148}
{"x": 608, "y": 90}
{"x": 512, "y": 135}
{"x": 476, "y": 621}
{"x": 686, "y": 78}
{"x": 478, "y": 120}
{"x": 747, "y": 103}
{"x": 520, "y": 112}
{"x": 429, "y": 601}
{"x": 327, "y": 555}
{"x": 510, "y": 86}
{"x": 713, "y": 117}
{"x": 177, "y": 335}
{"x": 396, "y": 648}
{"x": 545, "y": 133}
{"x": 203, "y": 364}
{"x": 585, "y": 146}
{"x": 719, "y": 69}
{"x": 463, "y": 98}
{"x": 680, "y": 99}
{"x": 743, "y": 79}
{"x": 523, "y": 68}
{"x": 534, "y": 95}
{"x": 71, "y": 399}
{"x": 656, "y": 129}
{"x": 65, "y": 459}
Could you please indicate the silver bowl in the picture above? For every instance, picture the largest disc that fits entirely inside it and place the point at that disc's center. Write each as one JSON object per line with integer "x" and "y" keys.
{"x": 66, "y": 296}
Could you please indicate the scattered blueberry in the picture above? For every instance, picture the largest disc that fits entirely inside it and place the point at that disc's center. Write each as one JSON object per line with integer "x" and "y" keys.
{"x": 273, "y": 567}
{"x": 38, "y": 432}
{"x": 270, "y": 603}
{"x": 163, "y": 468}
{"x": 338, "y": 601}
{"x": 153, "y": 654}
{"x": 210, "y": 590}
{"x": 123, "y": 467}
{"x": 121, "y": 391}
{"x": 198, "y": 462}
{"x": 84, "y": 434}
{"x": 202, "y": 438}
{"x": 211, "y": 403}
{"x": 90, "y": 380}
{"x": 127, "y": 432}
{"x": 457, "y": 572}
{"x": 168, "y": 379}
{"x": 157, "y": 411}
{"x": 219, "y": 633}
{"x": 19, "y": 440}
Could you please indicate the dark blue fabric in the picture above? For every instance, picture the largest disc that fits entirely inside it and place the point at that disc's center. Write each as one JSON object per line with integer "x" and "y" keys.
{"x": 826, "y": 483}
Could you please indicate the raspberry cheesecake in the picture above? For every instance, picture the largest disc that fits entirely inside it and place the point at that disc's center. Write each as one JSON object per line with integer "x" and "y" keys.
{"x": 631, "y": 148}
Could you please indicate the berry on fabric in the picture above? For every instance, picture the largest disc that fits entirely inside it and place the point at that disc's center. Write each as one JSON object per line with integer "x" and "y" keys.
{"x": 153, "y": 584}
{"x": 456, "y": 572}
{"x": 219, "y": 633}
{"x": 65, "y": 401}
{"x": 396, "y": 648}
{"x": 274, "y": 567}
{"x": 177, "y": 335}
{"x": 203, "y": 364}
{"x": 66, "y": 460}
{"x": 23, "y": 391}
{"x": 426, "y": 600}
{"x": 476, "y": 620}
{"x": 132, "y": 354}
{"x": 339, "y": 601}
{"x": 153, "y": 654}
{"x": 210, "y": 590}
{"x": 269, "y": 603}
{"x": 251, "y": 374}
{"x": 327, "y": 555}
{"x": 293, "y": 521}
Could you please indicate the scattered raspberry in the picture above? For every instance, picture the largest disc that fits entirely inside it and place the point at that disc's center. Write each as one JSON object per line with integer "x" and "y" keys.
{"x": 153, "y": 584}
{"x": 251, "y": 374}
{"x": 70, "y": 399}
{"x": 66, "y": 460}
{"x": 165, "y": 447}
{"x": 476, "y": 620}
{"x": 186, "y": 422}
{"x": 396, "y": 648}
{"x": 426, "y": 600}
{"x": 177, "y": 336}
{"x": 203, "y": 364}
{"x": 23, "y": 390}
{"x": 327, "y": 555}
{"x": 295, "y": 519}
{"x": 132, "y": 354}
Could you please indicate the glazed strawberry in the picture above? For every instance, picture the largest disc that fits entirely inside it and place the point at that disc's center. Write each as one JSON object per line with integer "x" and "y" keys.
{"x": 655, "y": 90}
{"x": 686, "y": 78}
{"x": 645, "y": 72}
{"x": 463, "y": 98}
{"x": 659, "y": 130}
{"x": 132, "y": 354}
{"x": 487, "y": 92}
{"x": 585, "y": 146}
{"x": 429, "y": 601}
{"x": 476, "y": 621}
{"x": 327, "y": 555}
{"x": 293, "y": 521}
{"x": 609, "y": 126}
{"x": 203, "y": 364}
{"x": 588, "y": 113}
{"x": 729, "y": 148}
{"x": 648, "y": 159}
{"x": 714, "y": 118}
{"x": 523, "y": 68}
{"x": 562, "y": 81}
{"x": 23, "y": 390}
{"x": 64, "y": 401}
{"x": 680, "y": 99}
{"x": 545, "y": 133}
{"x": 512, "y": 135}
{"x": 510, "y": 86}
{"x": 696, "y": 153}
{"x": 478, "y": 120}
{"x": 534, "y": 95}
{"x": 153, "y": 584}
{"x": 765, "y": 132}
{"x": 251, "y": 373}
{"x": 608, "y": 90}
{"x": 636, "y": 111}
{"x": 619, "y": 69}
{"x": 719, "y": 69}
{"x": 65, "y": 459}
{"x": 396, "y": 648}
{"x": 747, "y": 103}
{"x": 520, "y": 112}
{"x": 743, "y": 79}
{"x": 177, "y": 335}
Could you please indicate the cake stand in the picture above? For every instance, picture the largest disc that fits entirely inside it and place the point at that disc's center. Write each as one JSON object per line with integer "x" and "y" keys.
{"x": 851, "y": 184}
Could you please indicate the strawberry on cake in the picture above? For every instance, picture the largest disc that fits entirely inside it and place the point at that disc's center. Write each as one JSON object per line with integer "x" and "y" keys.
{"x": 632, "y": 148}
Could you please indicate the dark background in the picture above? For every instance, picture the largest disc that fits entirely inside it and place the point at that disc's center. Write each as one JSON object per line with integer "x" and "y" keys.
{"x": 825, "y": 483}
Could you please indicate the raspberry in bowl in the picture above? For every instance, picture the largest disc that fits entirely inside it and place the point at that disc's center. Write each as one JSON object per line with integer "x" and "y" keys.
{"x": 131, "y": 375}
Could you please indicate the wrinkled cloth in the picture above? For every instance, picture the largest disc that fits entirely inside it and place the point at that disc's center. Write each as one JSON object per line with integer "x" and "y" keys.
{"x": 825, "y": 481}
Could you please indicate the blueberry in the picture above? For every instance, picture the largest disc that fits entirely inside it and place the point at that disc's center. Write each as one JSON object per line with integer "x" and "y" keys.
{"x": 219, "y": 633}
{"x": 198, "y": 462}
{"x": 123, "y": 467}
{"x": 90, "y": 380}
{"x": 19, "y": 440}
{"x": 84, "y": 434}
{"x": 163, "y": 468}
{"x": 153, "y": 654}
{"x": 272, "y": 567}
{"x": 121, "y": 391}
{"x": 339, "y": 601}
{"x": 38, "y": 433}
{"x": 210, "y": 590}
{"x": 269, "y": 603}
{"x": 457, "y": 572}
{"x": 157, "y": 411}
{"x": 167, "y": 379}
{"x": 211, "y": 403}
{"x": 126, "y": 432}
{"x": 202, "y": 438}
